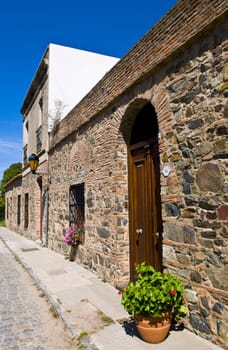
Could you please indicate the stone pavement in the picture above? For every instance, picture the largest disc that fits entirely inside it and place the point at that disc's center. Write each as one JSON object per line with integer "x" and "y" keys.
{"x": 85, "y": 303}
{"x": 20, "y": 322}
{"x": 25, "y": 321}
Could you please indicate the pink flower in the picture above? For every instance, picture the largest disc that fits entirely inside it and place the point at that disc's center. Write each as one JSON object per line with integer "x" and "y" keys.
{"x": 69, "y": 230}
{"x": 173, "y": 292}
{"x": 119, "y": 292}
{"x": 73, "y": 234}
{"x": 67, "y": 240}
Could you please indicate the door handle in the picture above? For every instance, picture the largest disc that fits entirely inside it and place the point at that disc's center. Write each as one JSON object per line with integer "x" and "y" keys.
{"x": 139, "y": 231}
{"x": 158, "y": 234}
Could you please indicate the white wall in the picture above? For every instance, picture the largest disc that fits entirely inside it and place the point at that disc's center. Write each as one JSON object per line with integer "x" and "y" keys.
{"x": 72, "y": 74}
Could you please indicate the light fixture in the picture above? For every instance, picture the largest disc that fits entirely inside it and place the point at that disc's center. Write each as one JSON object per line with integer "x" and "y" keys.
{"x": 33, "y": 162}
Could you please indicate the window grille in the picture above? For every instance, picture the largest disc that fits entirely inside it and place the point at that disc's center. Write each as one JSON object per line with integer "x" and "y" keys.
{"x": 25, "y": 154}
{"x": 39, "y": 139}
{"x": 77, "y": 204}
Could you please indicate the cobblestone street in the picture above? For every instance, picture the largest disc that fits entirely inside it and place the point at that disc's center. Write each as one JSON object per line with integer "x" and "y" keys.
{"x": 26, "y": 321}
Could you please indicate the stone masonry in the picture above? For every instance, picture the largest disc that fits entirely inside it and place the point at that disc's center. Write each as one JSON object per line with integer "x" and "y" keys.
{"x": 188, "y": 92}
{"x": 180, "y": 68}
{"x": 13, "y": 196}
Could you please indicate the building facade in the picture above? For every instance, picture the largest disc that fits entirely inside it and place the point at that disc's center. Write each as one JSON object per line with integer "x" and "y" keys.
{"x": 56, "y": 87}
{"x": 13, "y": 204}
{"x": 141, "y": 161}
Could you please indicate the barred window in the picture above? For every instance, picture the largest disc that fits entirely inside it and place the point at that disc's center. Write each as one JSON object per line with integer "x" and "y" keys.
{"x": 77, "y": 204}
{"x": 39, "y": 139}
{"x": 25, "y": 154}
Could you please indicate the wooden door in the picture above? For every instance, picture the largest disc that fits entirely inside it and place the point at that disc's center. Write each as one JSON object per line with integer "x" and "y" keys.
{"x": 145, "y": 206}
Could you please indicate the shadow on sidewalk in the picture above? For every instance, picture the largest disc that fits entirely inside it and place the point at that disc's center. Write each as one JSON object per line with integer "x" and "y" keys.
{"x": 130, "y": 328}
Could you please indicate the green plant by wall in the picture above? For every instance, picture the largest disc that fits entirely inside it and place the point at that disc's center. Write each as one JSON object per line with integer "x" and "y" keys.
{"x": 154, "y": 294}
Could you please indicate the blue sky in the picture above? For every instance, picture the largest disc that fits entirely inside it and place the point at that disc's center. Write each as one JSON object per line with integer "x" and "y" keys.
{"x": 27, "y": 27}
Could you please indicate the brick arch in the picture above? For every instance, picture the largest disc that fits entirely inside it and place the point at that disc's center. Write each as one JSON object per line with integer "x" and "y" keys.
{"x": 129, "y": 118}
{"x": 78, "y": 157}
{"x": 145, "y": 126}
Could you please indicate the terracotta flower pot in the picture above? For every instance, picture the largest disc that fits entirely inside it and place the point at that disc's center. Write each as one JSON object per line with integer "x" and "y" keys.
{"x": 153, "y": 329}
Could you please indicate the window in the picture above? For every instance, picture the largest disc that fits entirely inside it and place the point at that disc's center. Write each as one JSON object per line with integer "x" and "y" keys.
{"x": 77, "y": 204}
{"x": 38, "y": 139}
{"x": 25, "y": 150}
{"x": 19, "y": 210}
{"x": 26, "y": 213}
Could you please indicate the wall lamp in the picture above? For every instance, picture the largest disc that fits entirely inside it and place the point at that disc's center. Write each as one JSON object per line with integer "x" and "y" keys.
{"x": 33, "y": 162}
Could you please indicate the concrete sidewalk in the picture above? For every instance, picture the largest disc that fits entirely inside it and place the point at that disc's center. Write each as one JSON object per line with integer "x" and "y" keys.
{"x": 85, "y": 303}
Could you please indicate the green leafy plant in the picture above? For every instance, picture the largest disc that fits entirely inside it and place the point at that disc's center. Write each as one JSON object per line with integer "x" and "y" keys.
{"x": 154, "y": 294}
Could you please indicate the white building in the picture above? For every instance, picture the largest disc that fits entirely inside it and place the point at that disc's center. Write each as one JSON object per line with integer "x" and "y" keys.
{"x": 64, "y": 76}
{"x": 72, "y": 74}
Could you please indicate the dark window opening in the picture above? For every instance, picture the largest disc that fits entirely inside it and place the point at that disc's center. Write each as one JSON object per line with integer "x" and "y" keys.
{"x": 26, "y": 213}
{"x": 18, "y": 209}
{"x": 25, "y": 154}
{"x": 39, "y": 139}
{"x": 77, "y": 204}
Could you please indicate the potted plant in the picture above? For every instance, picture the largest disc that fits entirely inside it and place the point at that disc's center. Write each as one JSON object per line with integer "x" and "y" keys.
{"x": 73, "y": 237}
{"x": 154, "y": 299}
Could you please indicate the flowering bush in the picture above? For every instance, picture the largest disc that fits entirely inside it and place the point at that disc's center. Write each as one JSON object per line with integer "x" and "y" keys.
{"x": 74, "y": 235}
{"x": 154, "y": 294}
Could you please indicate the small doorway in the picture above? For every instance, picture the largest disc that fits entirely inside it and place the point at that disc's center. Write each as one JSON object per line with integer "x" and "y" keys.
{"x": 145, "y": 223}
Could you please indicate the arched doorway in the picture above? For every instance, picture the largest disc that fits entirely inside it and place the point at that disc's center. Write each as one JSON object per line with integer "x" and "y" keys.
{"x": 145, "y": 224}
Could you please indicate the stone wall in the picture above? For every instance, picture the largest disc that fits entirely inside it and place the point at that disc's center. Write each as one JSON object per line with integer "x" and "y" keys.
{"x": 35, "y": 186}
{"x": 195, "y": 210}
{"x": 12, "y": 191}
{"x": 31, "y": 187}
{"x": 188, "y": 92}
{"x": 93, "y": 156}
